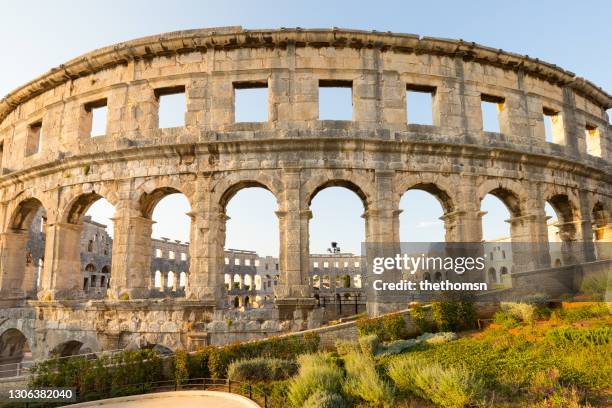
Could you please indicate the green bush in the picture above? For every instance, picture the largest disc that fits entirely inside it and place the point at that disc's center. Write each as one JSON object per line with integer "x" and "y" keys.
{"x": 363, "y": 381}
{"x": 101, "y": 377}
{"x": 419, "y": 316}
{"x": 445, "y": 387}
{"x": 397, "y": 346}
{"x": 261, "y": 369}
{"x": 569, "y": 336}
{"x": 218, "y": 359}
{"x": 369, "y": 344}
{"x": 505, "y": 319}
{"x": 523, "y": 312}
{"x": 325, "y": 399}
{"x": 576, "y": 314}
{"x": 389, "y": 327}
{"x": 180, "y": 367}
{"x": 394, "y": 327}
{"x": 317, "y": 372}
{"x": 344, "y": 346}
{"x": 453, "y": 315}
{"x": 437, "y": 338}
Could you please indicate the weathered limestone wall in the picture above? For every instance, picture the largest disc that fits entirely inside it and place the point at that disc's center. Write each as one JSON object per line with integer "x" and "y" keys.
{"x": 379, "y": 154}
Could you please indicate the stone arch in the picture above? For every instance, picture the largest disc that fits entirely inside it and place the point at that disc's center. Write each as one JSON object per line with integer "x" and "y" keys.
{"x": 24, "y": 213}
{"x": 442, "y": 188}
{"x": 509, "y": 197}
{"x": 75, "y": 210}
{"x": 348, "y": 184}
{"x": 492, "y": 275}
{"x": 149, "y": 200}
{"x": 237, "y": 280}
{"x": 229, "y": 185}
{"x": 14, "y": 349}
{"x": 68, "y": 348}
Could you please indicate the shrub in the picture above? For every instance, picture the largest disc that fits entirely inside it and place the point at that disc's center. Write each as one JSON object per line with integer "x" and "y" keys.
{"x": 437, "y": 338}
{"x": 394, "y": 327}
{"x": 505, "y": 319}
{"x": 453, "y": 315}
{"x": 316, "y": 373}
{"x": 180, "y": 369}
{"x": 98, "y": 378}
{"x": 288, "y": 348}
{"x": 420, "y": 319}
{"x": 397, "y": 346}
{"x": 325, "y": 399}
{"x": 261, "y": 369}
{"x": 364, "y": 382}
{"x": 344, "y": 347}
{"x": 574, "y": 312}
{"x": 569, "y": 336}
{"x": 369, "y": 344}
{"x": 523, "y": 312}
{"x": 366, "y": 326}
{"x": 446, "y": 387}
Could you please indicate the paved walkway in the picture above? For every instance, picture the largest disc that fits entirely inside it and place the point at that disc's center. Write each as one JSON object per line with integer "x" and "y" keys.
{"x": 182, "y": 399}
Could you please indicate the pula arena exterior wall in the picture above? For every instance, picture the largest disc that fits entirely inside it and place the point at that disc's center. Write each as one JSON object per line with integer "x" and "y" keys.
{"x": 294, "y": 155}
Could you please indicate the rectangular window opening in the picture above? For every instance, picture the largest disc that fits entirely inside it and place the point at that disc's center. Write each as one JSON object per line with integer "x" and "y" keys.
{"x": 34, "y": 138}
{"x": 419, "y": 104}
{"x": 335, "y": 100}
{"x": 98, "y": 114}
{"x": 553, "y": 127}
{"x": 250, "y": 102}
{"x": 593, "y": 140}
{"x": 172, "y": 106}
{"x": 491, "y": 107}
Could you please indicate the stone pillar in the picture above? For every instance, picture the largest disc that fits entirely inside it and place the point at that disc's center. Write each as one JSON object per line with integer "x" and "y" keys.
{"x": 382, "y": 240}
{"x": 293, "y": 292}
{"x": 12, "y": 262}
{"x": 576, "y": 245}
{"x": 529, "y": 235}
{"x": 603, "y": 241}
{"x": 463, "y": 225}
{"x": 130, "y": 271}
{"x": 62, "y": 277}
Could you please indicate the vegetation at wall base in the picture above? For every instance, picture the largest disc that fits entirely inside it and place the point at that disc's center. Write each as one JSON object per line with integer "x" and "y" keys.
{"x": 529, "y": 356}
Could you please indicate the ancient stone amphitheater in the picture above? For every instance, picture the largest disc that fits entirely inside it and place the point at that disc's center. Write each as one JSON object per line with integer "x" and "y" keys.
{"x": 50, "y": 161}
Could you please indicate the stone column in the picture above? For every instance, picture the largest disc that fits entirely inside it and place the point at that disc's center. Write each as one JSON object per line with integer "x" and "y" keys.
{"x": 382, "y": 240}
{"x": 206, "y": 253}
{"x": 293, "y": 291}
{"x": 463, "y": 225}
{"x": 130, "y": 271}
{"x": 12, "y": 262}
{"x": 529, "y": 236}
{"x": 62, "y": 277}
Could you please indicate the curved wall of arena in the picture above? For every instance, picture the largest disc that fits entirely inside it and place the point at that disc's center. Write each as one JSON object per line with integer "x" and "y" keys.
{"x": 49, "y": 159}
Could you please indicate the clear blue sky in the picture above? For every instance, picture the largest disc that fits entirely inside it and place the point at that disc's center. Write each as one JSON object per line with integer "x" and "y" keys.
{"x": 39, "y": 35}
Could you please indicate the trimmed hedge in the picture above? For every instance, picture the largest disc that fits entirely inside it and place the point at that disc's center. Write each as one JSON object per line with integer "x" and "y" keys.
{"x": 261, "y": 369}
{"x": 214, "y": 361}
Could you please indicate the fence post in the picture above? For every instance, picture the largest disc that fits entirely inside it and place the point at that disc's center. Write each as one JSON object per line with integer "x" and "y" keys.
{"x": 229, "y": 385}
{"x": 265, "y": 399}
{"x": 18, "y": 369}
{"x": 250, "y": 391}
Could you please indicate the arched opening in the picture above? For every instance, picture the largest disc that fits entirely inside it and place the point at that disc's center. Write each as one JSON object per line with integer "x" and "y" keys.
{"x": 423, "y": 208}
{"x": 169, "y": 209}
{"x": 602, "y": 231}
{"x": 170, "y": 283}
{"x": 95, "y": 215}
{"x": 14, "y": 349}
{"x": 346, "y": 281}
{"x": 251, "y": 239}
{"x": 248, "y": 282}
{"x": 68, "y": 348}
{"x": 492, "y": 275}
{"x": 357, "y": 281}
{"x": 237, "y": 282}
{"x": 24, "y": 249}
{"x": 558, "y": 263}
{"x": 227, "y": 279}
{"x": 158, "y": 280}
{"x": 236, "y": 302}
{"x": 337, "y": 217}
{"x": 562, "y": 229}
{"x": 498, "y": 207}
